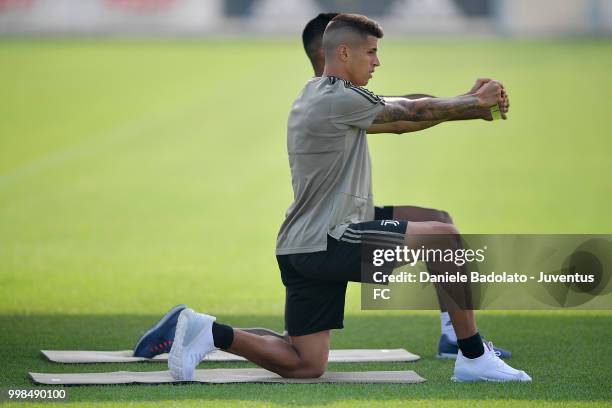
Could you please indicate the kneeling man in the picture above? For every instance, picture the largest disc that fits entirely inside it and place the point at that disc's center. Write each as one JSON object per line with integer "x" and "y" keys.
{"x": 319, "y": 246}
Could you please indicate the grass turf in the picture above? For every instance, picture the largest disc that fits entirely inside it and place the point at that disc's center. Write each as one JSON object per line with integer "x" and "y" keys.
{"x": 566, "y": 367}
{"x": 138, "y": 175}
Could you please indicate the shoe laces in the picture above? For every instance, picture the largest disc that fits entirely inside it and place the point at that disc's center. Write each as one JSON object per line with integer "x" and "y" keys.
{"x": 494, "y": 354}
{"x": 493, "y": 350}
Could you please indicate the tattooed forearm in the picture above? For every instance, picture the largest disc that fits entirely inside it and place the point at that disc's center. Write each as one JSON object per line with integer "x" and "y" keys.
{"x": 478, "y": 113}
{"x": 426, "y": 109}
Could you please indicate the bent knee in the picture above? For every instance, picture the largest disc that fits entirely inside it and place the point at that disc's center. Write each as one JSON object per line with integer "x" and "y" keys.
{"x": 303, "y": 374}
{"x": 314, "y": 371}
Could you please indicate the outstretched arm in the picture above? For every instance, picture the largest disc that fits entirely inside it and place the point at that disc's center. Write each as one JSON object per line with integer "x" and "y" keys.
{"x": 478, "y": 113}
{"x": 439, "y": 109}
{"x": 469, "y": 115}
{"x": 403, "y": 126}
{"x": 425, "y": 109}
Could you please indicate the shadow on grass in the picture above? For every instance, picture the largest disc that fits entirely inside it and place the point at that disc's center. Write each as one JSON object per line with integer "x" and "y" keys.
{"x": 569, "y": 358}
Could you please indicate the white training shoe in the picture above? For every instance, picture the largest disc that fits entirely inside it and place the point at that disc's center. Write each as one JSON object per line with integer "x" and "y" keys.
{"x": 488, "y": 367}
{"x": 192, "y": 342}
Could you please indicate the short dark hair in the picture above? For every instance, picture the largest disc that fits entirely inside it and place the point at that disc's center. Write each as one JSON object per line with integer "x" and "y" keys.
{"x": 312, "y": 36}
{"x": 357, "y": 23}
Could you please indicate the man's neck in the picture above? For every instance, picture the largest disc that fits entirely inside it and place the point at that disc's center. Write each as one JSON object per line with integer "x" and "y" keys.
{"x": 335, "y": 72}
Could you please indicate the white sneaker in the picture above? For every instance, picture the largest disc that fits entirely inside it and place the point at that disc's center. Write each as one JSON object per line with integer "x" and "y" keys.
{"x": 192, "y": 342}
{"x": 488, "y": 367}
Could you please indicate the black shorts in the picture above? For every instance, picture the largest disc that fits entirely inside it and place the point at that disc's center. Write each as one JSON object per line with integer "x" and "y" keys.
{"x": 316, "y": 282}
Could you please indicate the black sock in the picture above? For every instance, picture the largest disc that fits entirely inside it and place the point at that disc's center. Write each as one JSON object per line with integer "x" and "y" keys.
{"x": 223, "y": 335}
{"x": 472, "y": 346}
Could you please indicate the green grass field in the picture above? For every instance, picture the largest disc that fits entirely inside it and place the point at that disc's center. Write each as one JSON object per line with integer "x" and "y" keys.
{"x": 138, "y": 175}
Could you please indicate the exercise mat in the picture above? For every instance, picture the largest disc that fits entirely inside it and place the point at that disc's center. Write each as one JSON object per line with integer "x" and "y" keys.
{"x": 225, "y": 376}
{"x": 126, "y": 356}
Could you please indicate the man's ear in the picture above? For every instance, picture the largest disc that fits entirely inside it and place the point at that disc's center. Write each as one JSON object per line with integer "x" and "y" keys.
{"x": 343, "y": 52}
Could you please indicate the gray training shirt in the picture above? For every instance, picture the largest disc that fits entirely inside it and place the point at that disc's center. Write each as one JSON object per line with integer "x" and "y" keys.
{"x": 330, "y": 163}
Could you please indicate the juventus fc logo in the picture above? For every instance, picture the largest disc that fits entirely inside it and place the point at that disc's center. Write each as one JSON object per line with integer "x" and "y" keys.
{"x": 389, "y": 222}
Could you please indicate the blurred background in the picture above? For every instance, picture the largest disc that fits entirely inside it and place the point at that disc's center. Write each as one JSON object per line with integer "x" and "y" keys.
{"x": 142, "y": 142}
{"x": 241, "y": 17}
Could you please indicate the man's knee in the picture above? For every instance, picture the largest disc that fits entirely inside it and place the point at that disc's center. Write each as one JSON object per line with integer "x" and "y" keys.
{"x": 306, "y": 370}
{"x": 314, "y": 371}
{"x": 313, "y": 352}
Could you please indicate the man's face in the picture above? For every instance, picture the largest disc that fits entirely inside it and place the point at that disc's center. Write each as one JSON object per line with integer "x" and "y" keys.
{"x": 362, "y": 60}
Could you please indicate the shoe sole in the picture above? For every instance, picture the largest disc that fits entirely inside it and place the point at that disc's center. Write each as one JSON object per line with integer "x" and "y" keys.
{"x": 159, "y": 324}
{"x": 476, "y": 379}
{"x": 455, "y": 379}
{"x": 176, "y": 352}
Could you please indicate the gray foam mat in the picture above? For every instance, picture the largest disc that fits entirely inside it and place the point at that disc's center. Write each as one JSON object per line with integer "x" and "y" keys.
{"x": 125, "y": 356}
{"x": 225, "y": 376}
